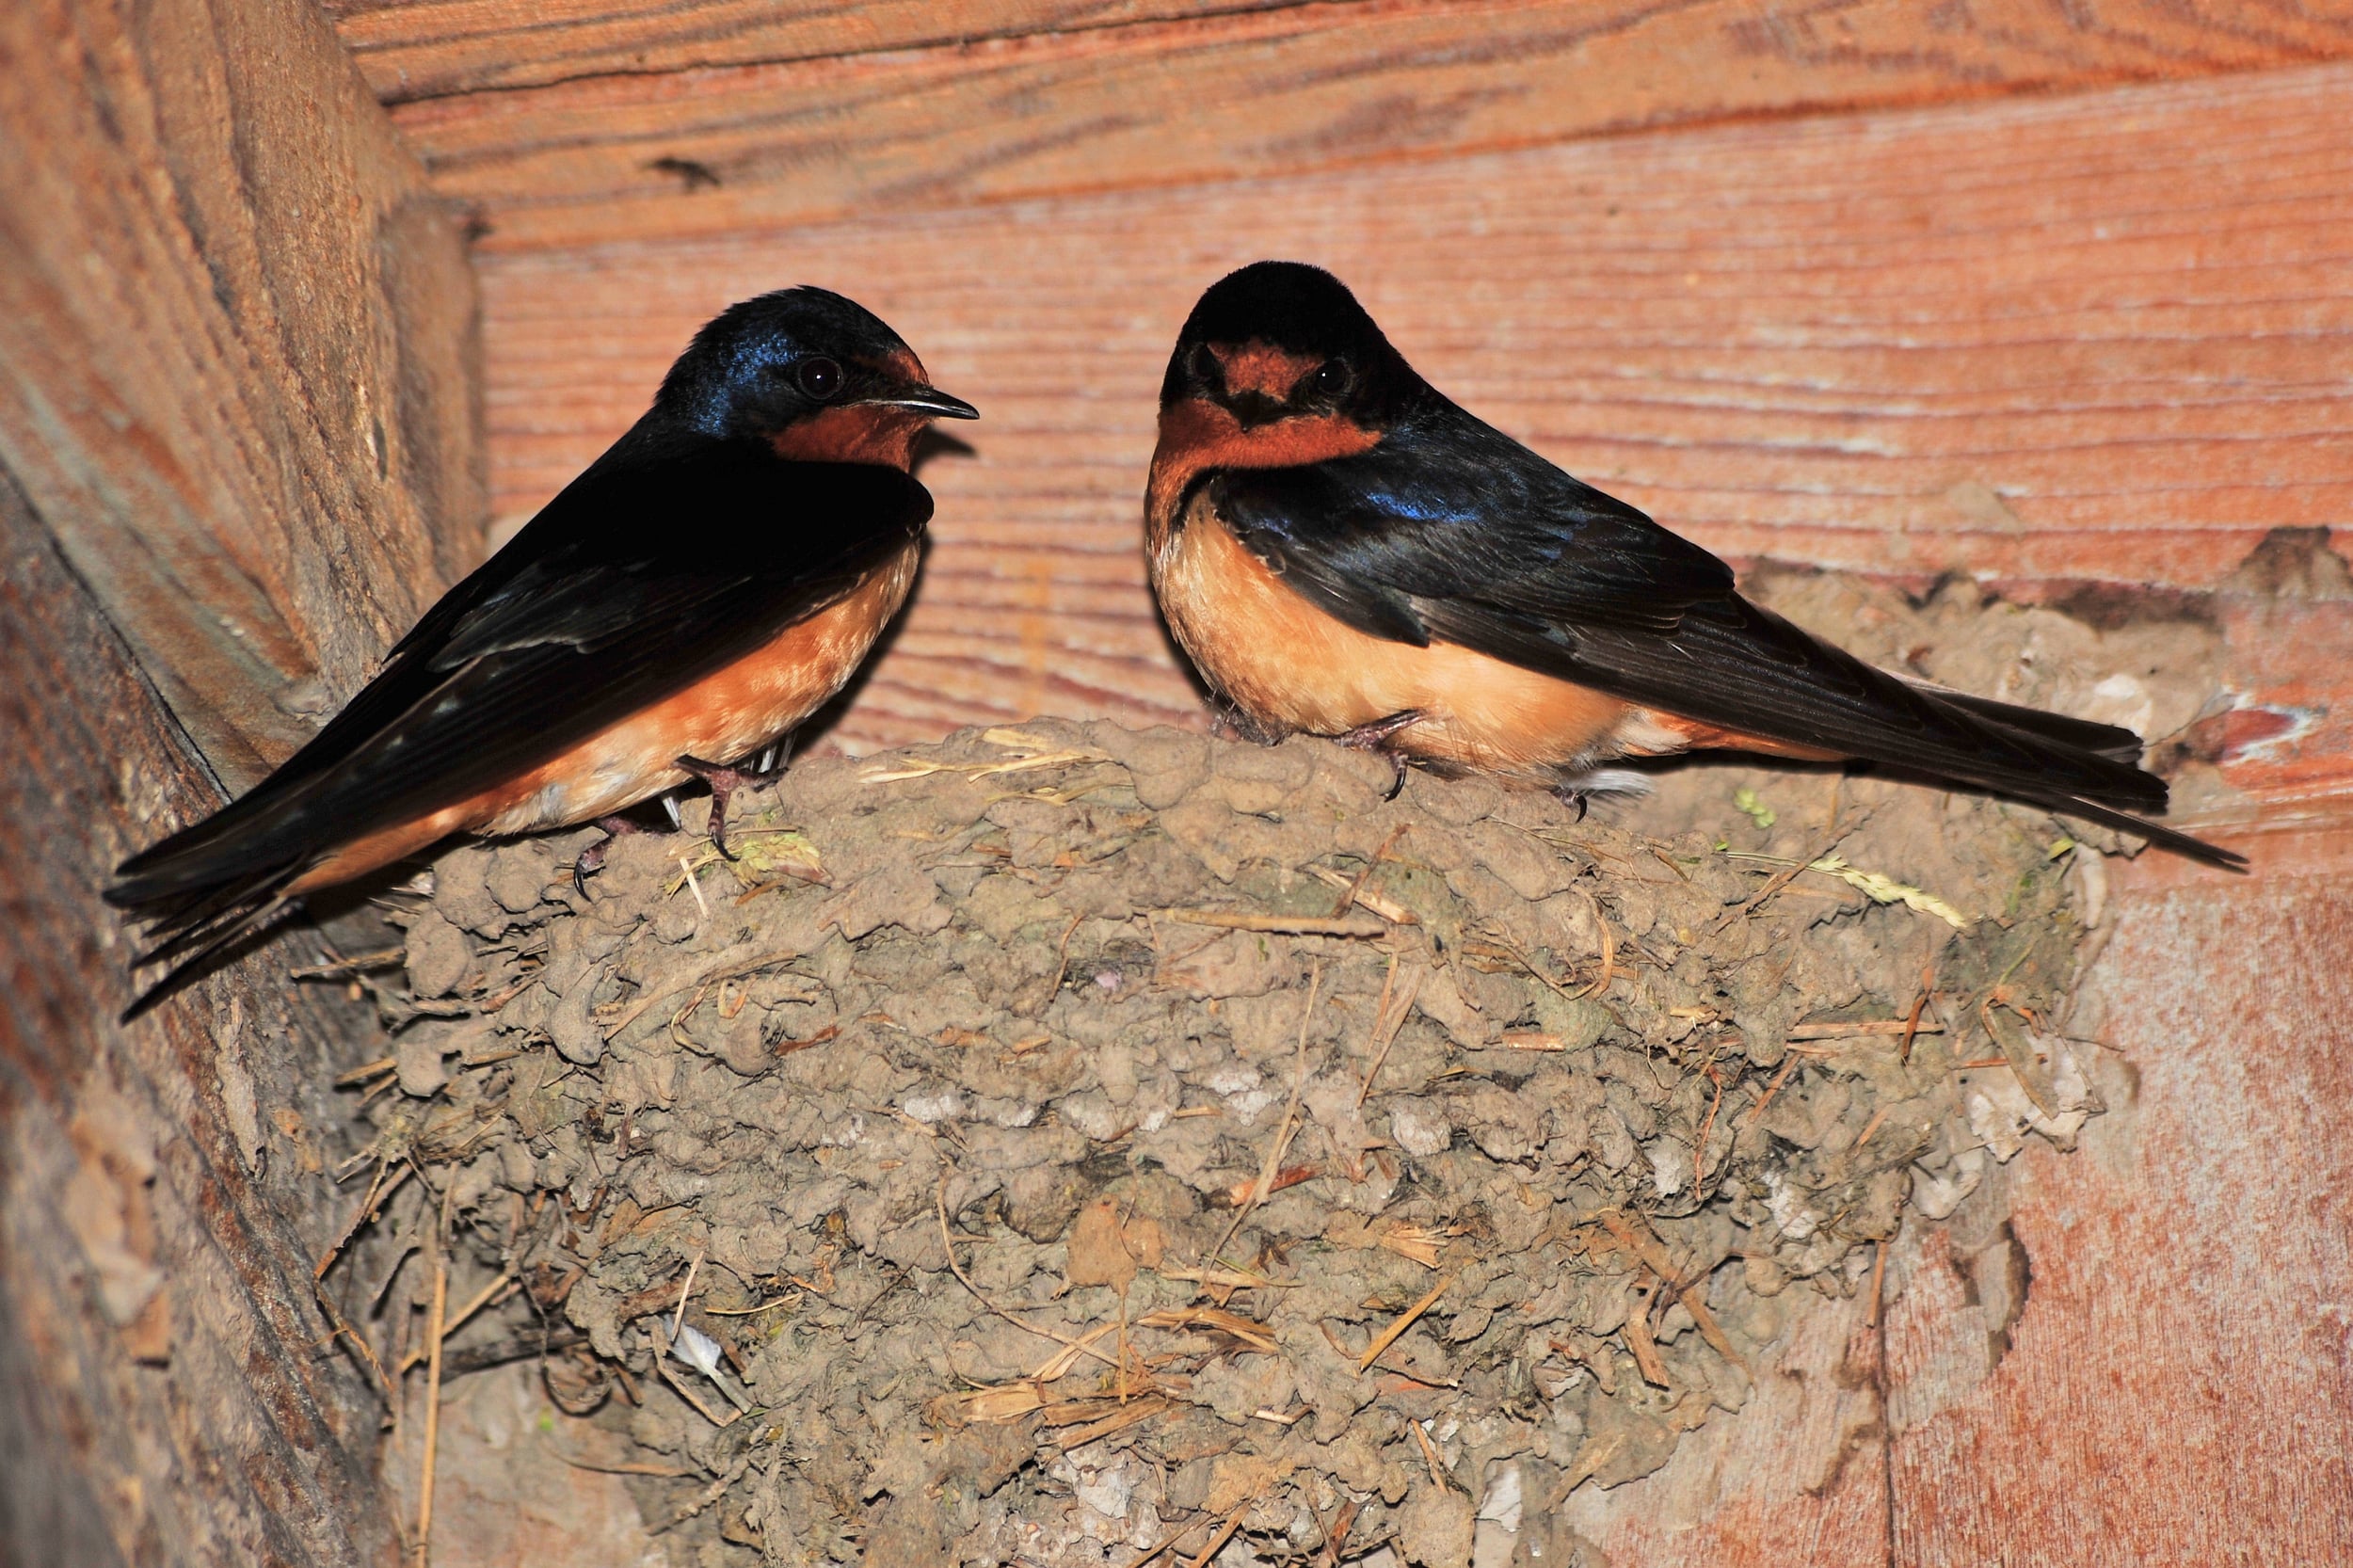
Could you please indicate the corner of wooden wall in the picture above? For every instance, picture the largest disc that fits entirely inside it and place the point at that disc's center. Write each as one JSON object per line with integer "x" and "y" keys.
{"x": 240, "y": 450}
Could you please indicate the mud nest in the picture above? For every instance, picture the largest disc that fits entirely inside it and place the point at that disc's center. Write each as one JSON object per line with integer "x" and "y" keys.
{"x": 1066, "y": 1140}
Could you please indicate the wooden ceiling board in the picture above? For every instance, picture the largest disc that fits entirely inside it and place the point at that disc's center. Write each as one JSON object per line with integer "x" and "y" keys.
{"x": 1261, "y": 91}
{"x": 2096, "y": 338}
{"x": 413, "y": 49}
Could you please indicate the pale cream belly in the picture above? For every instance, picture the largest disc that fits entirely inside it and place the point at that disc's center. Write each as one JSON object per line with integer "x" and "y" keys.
{"x": 1293, "y": 667}
{"x": 718, "y": 719}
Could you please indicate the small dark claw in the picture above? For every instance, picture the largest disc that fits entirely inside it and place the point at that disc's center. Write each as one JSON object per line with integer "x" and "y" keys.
{"x": 723, "y": 781}
{"x": 591, "y": 860}
{"x": 1578, "y": 798}
{"x": 1376, "y": 737}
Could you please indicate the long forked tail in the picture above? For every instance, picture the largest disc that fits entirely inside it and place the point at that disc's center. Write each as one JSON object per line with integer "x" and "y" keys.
{"x": 198, "y": 895}
{"x": 189, "y": 939}
{"x": 1737, "y": 665}
{"x": 2124, "y": 821}
{"x": 2079, "y": 737}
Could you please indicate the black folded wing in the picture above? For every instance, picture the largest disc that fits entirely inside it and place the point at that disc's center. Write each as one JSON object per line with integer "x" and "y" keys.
{"x": 668, "y": 560}
{"x": 1450, "y": 532}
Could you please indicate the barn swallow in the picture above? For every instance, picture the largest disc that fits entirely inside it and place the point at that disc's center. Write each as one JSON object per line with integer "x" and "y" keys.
{"x": 696, "y": 593}
{"x": 1344, "y": 551}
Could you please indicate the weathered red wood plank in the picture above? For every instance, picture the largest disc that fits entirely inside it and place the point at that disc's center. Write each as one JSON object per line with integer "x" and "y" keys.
{"x": 2086, "y": 338}
{"x": 235, "y": 351}
{"x": 1256, "y": 91}
{"x": 2177, "y": 1387}
{"x": 410, "y": 49}
{"x": 168, "y": 1392}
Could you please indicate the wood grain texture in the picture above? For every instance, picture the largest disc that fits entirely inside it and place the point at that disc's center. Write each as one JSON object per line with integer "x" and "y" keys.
{"x": 235, "y": 351}
{"x": 2178, "y": 1385}
{"x": 1265, "y": 92}
{"x": 411, "y": 49}
{"x": 1798, "y": 1475}
{"x": 167, "y": 1393}
{"x": 2287, "y": 746}
{"x": 2173, "y": 1383}
{"x": 2095, "y": 339}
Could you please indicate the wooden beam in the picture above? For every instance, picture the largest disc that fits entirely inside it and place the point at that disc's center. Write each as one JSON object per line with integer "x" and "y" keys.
{"x": 2085, "y": 339}
{"x": 167, "y": 1391}
{"x": 413, "y": 49}
{"x": 1262, "y": 91}
{"x": 2174, "y": 1386}
{"x": 239, "y": 451}
{"x": 236, "y": 352}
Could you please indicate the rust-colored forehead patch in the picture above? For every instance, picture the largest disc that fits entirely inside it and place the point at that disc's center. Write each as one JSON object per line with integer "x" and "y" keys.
{"x": 1262, "y": 368}
{"x": 899, "y": 365}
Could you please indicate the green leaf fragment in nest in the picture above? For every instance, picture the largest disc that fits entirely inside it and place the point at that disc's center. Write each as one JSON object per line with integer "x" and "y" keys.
{"x": 767, "y": 855}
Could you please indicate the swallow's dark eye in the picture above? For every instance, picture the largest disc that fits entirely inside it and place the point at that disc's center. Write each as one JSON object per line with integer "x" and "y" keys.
{"x": 1205, "y": 366}
{"x": 820, "y": 378}
{"x": 1334, "y": 377}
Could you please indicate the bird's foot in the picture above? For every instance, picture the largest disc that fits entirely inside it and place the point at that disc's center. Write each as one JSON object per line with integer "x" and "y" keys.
{"x": 1376, "y": 737}
{"x": 591, "y": 860}
{"x": 724, "y": 782}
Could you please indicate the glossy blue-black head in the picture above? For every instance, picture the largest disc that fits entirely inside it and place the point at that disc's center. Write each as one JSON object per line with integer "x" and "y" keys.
{"x": 761, "y": 367}
{"x": 1281, "y": 339}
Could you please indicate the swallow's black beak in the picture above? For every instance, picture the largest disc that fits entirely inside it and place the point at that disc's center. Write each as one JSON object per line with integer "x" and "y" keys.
{"x": 929, "y": 400}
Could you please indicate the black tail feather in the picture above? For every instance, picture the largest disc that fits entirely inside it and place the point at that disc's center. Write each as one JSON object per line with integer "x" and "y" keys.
{"x": 2078, "y": 737}
{"x": 184, "y": 911}
{"x": 1739, "y": 665}
{"x": 190, "y": 921}
{"x": 2156, "y": 833}
{"x": 2112, "y": 742}
{"x": 192, "y": 952}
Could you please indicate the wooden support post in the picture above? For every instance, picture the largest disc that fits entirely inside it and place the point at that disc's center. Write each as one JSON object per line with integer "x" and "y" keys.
{"x": 236, "y": 345}
{"x": 167, "y": 1389}
{"x": 238, "y": 453}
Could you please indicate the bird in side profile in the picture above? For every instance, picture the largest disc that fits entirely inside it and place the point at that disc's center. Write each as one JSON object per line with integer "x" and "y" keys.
{"x": 701, "y": 589}
{"x": 1344, "y": 551}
